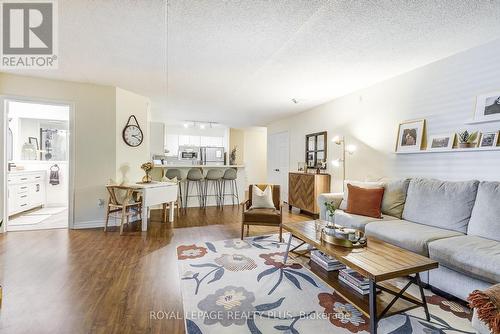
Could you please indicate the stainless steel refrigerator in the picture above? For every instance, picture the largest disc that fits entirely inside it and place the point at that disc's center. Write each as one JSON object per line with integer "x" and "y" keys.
{"x": 212, "y": 155}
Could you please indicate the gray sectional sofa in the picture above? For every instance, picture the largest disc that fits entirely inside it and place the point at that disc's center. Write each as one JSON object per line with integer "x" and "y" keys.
{"x": 455, "y": 223}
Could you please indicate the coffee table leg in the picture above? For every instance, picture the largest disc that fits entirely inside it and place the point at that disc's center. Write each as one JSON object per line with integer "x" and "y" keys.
{"x": 373, "y": 307}
{"x": 422, "y": 295}
{"x": 288, "y": 248}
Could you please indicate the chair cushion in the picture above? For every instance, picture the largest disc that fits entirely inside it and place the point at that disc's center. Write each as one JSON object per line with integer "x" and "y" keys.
{"x": 271, "y": 216}
{"x": 262, "y": 199}
{"x": 365, "y": 202}
{"x": 440, "y": 204}
{"x": 394, "y": 199}
{"x": 485, "y": 219}
{"x": 472, "y": 255}
{"x": 411, "y": 236}
{"x": 356, "y": 221}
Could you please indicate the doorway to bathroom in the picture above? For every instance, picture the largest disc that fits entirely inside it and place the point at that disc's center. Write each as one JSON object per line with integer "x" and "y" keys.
{"x": 38, "y": 171}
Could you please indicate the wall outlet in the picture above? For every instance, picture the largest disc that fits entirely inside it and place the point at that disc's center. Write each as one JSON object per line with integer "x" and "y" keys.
{"x": 100, "y": 202}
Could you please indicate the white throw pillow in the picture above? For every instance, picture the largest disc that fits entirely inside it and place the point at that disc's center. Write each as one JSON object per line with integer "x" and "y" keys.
{"x": 262, "y": 199}
{"x": 361, "y": 184}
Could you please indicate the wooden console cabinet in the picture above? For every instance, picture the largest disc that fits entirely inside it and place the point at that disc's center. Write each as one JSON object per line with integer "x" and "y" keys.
{"x": 304, "y": 189}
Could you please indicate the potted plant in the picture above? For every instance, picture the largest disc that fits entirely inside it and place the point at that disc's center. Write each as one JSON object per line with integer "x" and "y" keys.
{"x": 232, "y": 156}
{"x": 467, "y": 139}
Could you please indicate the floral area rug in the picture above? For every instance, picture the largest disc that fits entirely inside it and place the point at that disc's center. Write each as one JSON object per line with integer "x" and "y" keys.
{"x": 243, "y": 286}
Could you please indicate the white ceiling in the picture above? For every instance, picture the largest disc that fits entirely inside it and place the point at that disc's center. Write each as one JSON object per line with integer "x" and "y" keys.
{"x": 240, "y": 62}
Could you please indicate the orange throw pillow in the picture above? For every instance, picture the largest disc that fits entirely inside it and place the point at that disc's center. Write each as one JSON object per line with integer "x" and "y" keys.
{"x": 365, "y": 202}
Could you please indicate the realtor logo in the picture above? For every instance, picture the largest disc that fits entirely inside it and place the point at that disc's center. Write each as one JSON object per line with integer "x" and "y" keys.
{"x": 29, "y": 34}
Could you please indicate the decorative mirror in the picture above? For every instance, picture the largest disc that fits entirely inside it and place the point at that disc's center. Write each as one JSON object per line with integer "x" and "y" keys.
{"x": 316, "y": 149}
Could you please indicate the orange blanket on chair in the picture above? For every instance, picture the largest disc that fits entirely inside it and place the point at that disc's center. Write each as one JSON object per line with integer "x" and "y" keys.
{"x": 487, "y": 305}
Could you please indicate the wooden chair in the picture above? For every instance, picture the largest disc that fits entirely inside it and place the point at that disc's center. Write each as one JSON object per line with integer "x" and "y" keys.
{"x": 263, "y": 217}
{"x": 128, "y": 205}
{"x": 177, "y": 207}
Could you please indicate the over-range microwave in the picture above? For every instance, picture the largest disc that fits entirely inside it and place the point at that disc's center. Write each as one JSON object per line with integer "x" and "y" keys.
{"x": 189, "y": 153}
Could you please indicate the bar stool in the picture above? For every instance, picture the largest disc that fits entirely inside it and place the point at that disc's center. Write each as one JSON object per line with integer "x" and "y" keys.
{"x": 172, "y": 174}
{"x": 230, "y": 176}
{"x": 214, "y": 178}
{"x": 195, "y": 176}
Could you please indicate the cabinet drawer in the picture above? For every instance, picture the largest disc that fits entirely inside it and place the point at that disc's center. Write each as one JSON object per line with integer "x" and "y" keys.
{"x": 19, "y": 189}
{"x": 25, "y": 177}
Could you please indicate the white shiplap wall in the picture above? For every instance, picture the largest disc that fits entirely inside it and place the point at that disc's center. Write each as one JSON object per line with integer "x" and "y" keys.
{"x": 443, "y": 93}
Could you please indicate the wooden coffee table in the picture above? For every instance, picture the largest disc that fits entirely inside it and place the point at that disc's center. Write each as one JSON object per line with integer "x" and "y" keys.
{"x": 379, "y": 262}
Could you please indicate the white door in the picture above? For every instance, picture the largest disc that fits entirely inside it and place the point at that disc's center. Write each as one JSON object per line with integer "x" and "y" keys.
{"x": 278, "y": 159}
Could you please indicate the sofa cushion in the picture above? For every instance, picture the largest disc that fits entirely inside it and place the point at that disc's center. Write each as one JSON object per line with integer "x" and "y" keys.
{"x": 475, "y": 256}
{"x": 485, "y": 219}
{"x": 411, "y": 236}
{"x": 356, "y": 221}
{"x": 394, "y": 199}
{"x": 440, "y": 204}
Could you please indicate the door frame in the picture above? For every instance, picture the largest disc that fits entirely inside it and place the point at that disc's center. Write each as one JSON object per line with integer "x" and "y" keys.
{"x": 71, "y": 168}
{"x": 286, "y": 133}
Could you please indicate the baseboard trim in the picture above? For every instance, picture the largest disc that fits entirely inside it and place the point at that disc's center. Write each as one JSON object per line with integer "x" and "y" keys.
{"x": 99, "y": 223}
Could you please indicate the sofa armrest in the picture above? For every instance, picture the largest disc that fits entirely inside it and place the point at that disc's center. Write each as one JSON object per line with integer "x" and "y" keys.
{"x": 336, "y": 198}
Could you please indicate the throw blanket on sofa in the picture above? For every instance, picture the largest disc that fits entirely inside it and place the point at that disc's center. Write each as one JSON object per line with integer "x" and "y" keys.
{"x": 487, "y": 304}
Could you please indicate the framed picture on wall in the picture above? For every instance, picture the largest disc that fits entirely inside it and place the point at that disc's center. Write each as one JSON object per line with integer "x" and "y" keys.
{"x": 488, "y": 107}
{"x": 489, "y": 139}
{"x": 411, "y": 136}
{"x": 441, "y": 142}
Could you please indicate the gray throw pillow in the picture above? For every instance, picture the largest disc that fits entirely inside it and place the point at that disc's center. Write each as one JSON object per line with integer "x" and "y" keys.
{"x": 485, "y": 219}
{"x": 394, "y": 199}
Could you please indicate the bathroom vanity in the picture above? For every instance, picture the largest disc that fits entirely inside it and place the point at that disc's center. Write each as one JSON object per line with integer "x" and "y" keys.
{"x": 26, "y": 190}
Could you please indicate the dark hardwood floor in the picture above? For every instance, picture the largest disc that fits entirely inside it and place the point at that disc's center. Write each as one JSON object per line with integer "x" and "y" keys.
{"x": 89, "y": 281}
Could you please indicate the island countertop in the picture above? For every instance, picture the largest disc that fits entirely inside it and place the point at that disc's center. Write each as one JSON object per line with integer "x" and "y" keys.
{"x": 198, "y": 166}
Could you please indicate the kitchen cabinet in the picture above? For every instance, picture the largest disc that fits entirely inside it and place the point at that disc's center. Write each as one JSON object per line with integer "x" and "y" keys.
{"x": 25, "y": 191}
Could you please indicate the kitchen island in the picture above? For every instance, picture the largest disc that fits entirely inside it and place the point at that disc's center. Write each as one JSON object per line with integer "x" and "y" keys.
{"x": 159, "y": 170}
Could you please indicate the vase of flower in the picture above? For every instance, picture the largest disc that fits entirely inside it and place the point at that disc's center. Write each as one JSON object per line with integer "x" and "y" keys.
{"x": 147, "y": 167}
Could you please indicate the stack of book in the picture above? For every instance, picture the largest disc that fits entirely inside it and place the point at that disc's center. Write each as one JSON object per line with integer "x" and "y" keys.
{"x": 355, "y": 280}
{"x": 326, "y": 262}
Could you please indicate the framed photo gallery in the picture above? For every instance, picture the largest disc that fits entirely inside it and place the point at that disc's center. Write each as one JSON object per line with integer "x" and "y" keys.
{"x": 411, "y": 136}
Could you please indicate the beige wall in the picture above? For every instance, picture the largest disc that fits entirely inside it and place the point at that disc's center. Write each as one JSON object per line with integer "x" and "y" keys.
{"x": 252, "y": 152}
{"x": 443, "y": 93}
{"x": 94, "y": 110}
{"x": 237, "y": 139}
{"x": 129, "y": 159}
{"x": 255, "y": 155}
{"x": 100, "y": 112}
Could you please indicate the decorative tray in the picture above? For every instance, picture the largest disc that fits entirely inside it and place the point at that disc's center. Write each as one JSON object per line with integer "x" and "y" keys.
{"x": 344, "y": 237}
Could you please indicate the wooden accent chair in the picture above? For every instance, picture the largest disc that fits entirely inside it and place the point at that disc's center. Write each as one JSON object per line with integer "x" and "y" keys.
{"x": 129, "y": 204}
{"x": 263, "y": 217}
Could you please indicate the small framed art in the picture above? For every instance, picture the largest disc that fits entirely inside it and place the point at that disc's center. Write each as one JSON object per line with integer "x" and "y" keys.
{"x": 411, "y": 136}
{"x": 489, "y": 139}
{"x": 441, "y": 142}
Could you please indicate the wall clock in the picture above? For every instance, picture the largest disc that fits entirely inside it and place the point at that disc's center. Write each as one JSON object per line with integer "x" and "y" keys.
{"x": 132, "y": 133}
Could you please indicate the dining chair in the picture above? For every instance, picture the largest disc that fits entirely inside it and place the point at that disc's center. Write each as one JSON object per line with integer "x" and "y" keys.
{"x": 125, "y": 200}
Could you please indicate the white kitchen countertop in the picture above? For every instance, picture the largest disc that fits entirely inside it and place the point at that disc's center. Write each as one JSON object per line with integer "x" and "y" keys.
{"x": 199, "y": 166}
